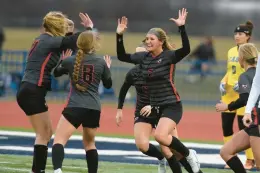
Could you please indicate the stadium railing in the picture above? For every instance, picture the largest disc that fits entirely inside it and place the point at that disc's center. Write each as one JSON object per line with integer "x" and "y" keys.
{"x": 200, "y": 93}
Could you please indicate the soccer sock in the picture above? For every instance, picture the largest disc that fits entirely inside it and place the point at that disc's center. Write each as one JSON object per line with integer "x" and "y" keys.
{"x": 174, "y": 164}
{"x": 235, "y": 164}
{"x": 57, "y": 156}
{"x": 249, "y": 154}
{"x": 40, "y": 157}
{"x": 186, "y": 165}
{"x": 33, "y": 165}
{"x": 92, "y": 160}
{"x": 227, "y": 138}
{"x": 154, "y": 152}
{"x": 177, "y": 145}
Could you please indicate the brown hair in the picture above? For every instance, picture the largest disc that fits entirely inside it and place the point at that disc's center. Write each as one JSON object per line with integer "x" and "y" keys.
{"x": 250, "y": 26}
{"x": 55, "y": 23}
{"x": 249, "y": 53}
{"x": 162, "y": 36}
{"x": 86, "y": 43}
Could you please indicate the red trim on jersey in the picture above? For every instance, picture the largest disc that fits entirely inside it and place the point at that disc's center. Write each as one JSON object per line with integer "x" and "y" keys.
{"x": 256, "y": 116}
{"x": 171, "y": 80}
{"x": 43, "y": 68}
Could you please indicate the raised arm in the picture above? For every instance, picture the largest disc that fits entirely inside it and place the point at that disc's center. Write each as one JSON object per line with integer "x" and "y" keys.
{"x": 181, "y": 53}
{"x": 69, "y": 41}
{"x": 106, "y": 76}
{"x": 61, "y": 69}
{"x": 185, "y": 50}
{"x": 120, "y": 49}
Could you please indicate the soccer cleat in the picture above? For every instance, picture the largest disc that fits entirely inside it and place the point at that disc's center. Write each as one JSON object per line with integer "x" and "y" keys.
{"x": 250, "y": 164}
{"x": 162, "y": 166}
{"x": 58, "y": 171}
{"x": 193, "y": 161}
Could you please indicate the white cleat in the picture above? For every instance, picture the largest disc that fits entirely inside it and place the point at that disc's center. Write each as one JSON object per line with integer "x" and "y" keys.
{"x": 162, "y": 166}
{"x": 193, "y": 161}
{"x": 58, "y": 171}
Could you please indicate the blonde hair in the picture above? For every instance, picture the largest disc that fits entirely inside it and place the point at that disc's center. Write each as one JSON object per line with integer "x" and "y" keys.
{"x": 55, "y": 23}
{"x": 162, "y": 36}
{"x": 249, "y": 53}
{"x": 86, "y": 43}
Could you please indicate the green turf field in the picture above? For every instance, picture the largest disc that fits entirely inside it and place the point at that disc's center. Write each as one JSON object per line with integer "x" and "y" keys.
{"x": 17, "y": 164}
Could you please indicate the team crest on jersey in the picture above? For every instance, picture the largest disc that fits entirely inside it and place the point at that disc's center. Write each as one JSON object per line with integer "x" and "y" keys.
{"x": 233, "y": 59}
{"x": 244, "y": 86}
{"x": 159, "y": 61}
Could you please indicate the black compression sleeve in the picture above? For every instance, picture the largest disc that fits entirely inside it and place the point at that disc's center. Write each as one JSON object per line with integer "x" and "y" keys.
{"x": 123, "y": 91}
{"x": 107, "y": 83}
{"x": 59, "y": 70}
{"x": 185, "y": 50}
{"x": 240, "y": 102}
{"x": 70, "y": 40}
{"x": 120, "y": 49}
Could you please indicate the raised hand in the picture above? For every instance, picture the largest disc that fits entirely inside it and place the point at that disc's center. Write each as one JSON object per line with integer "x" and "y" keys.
{"x": 182, "y": 17}
{"x": 108, "y": 60}
{"x": 122, "y": 25}
{"x": 85, "y": 20}
{"x": 66, "y": 54}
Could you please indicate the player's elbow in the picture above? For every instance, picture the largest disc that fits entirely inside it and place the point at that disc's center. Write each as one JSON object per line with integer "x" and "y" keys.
{"x": 107, "y": 83}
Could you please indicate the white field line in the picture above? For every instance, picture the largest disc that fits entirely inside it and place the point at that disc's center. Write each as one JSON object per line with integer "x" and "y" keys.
{"x": 110, "y": 139}
{"x": 137, "y": 155}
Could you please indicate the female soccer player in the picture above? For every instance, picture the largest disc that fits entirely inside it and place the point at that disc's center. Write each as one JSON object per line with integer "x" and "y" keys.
{"x": 146, "y": 119}
{"x": 158, "y": 66}
{"x": 42, "y": 58}
{"x": 250, "y": 135}
{"x": 229, "y": 87}
{"x": 86, "y": 70}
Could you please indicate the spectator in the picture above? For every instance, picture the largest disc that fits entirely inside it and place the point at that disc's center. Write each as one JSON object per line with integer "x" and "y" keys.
{"x": 204, "y": 55}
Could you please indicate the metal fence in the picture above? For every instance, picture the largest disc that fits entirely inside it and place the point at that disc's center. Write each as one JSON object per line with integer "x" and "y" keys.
{"x": 201, "y": 93}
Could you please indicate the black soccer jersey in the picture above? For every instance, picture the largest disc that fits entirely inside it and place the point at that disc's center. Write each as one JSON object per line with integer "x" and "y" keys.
{"x": 135, "y": 78}
{"x": 159, "y": 71}
{"x": 44, "y": 56}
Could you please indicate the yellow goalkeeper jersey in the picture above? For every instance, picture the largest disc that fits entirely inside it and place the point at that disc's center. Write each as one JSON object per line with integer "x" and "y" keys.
{"x": 233, "y": 67}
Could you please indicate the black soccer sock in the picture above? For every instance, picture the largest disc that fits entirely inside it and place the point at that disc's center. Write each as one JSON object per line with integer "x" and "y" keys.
{"x": 33, "y": 165}
{"x": 92, "y": 160}
{"x": 235, "y": 164}
{"x": 57, "y": 156}
{"x": 40, "y": 157}
{"x": 154, "y": 152}
{"x": 178, "y": 146}
{"x": 174, "y": 164}
{"x": 186, "y": 165}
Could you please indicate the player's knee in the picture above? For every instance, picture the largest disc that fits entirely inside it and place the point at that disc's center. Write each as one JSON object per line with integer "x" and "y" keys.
{"x": 89, "y": 143}
{"x": 167, "y": 153}
{"x": 142, "y": 146}
{"x": 160, "y": 137}
{"x": 226, "y": 153}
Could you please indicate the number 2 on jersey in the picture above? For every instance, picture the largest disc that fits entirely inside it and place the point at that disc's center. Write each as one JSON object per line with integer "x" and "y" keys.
{"x": 234, "y": 69}
{"x": 88, "y": 71}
